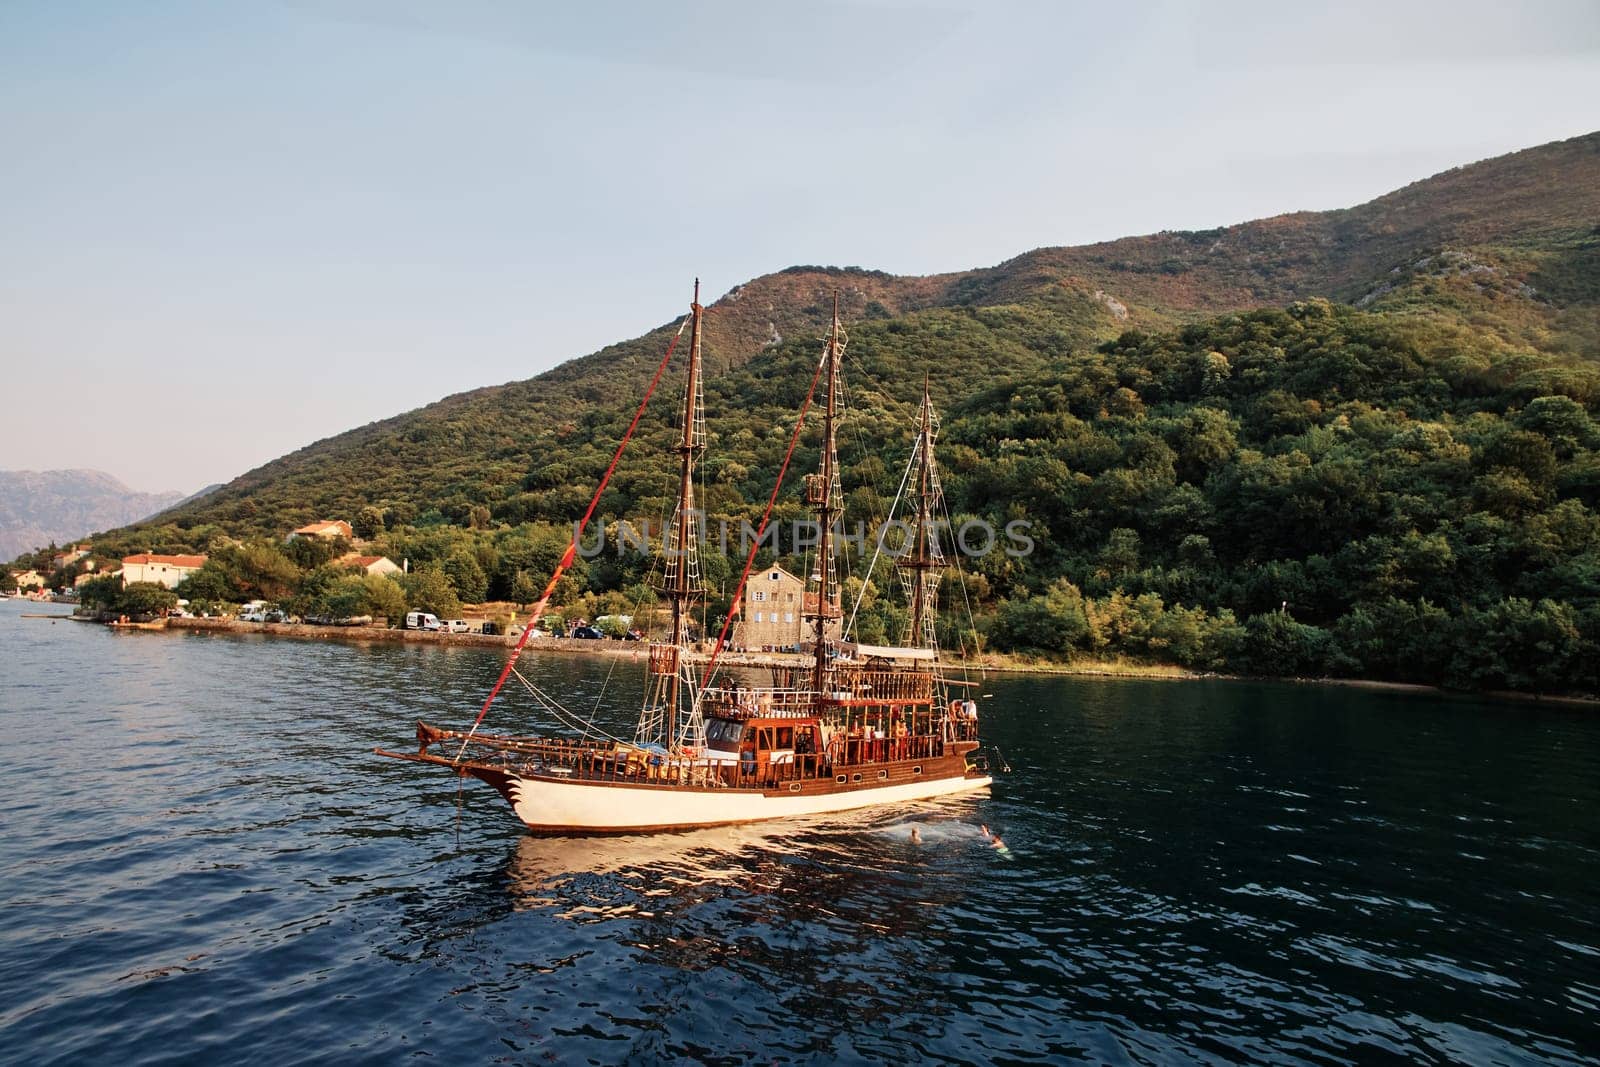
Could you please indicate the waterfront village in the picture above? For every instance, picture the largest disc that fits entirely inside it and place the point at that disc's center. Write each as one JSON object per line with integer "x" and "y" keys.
{"x": 149, "y": 588}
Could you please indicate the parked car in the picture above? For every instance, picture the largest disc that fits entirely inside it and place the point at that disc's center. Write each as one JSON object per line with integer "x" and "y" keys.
{"x": 586, "y": 633}
{"x": 633, "y": 635}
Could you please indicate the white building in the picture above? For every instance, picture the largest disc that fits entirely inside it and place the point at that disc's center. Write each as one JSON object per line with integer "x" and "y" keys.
{"x": 163, "y": 570}
{"x": 371, "y": 564}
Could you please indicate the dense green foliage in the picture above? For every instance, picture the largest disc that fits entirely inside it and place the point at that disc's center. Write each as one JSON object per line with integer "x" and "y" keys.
{"x": 1317, "y": 490}
{"x": 1373, "y": 494}
{"x": 136, "y": 600}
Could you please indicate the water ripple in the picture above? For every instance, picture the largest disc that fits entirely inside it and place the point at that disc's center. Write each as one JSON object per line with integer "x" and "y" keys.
{"x": 205, "y": 863}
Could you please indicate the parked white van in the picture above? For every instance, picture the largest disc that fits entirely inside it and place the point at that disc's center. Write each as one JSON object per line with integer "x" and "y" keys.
{"x": 456, "y": 626}
{"x": 421, "y": 620}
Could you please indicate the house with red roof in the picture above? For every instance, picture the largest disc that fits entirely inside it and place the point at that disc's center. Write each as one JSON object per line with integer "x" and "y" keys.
{"x": 327, "y": 530}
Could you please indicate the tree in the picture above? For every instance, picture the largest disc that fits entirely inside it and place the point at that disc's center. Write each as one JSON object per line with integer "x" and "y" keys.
{"x": 345, "y": 597}
{"x": 1054, "y": 622}
{"x": 146, "y": 598}
{"x": 102, "y": 592}
{"x": 1194, "y": 552}
{"x": 210, "y": 582}
{"x": 1520, "y": 644}
{"x": 368, "y": 523}
{"x": 427, "y": 589}
{"x": 1120, "y": 557}
{"x": 1275, "y": 644}
{"x": 259, "y": 569}
{"x": 466, "y": 575}
{"x": 309, "y": 553}
{"x": 524, "y": 590}
{"x": 385, "y": 598}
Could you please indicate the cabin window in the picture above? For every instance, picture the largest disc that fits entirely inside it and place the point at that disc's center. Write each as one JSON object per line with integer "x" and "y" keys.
{"x": 766, "y": 740}
{"x": 855, "y": 778}
{"x": 916, "y": 770}
{"x": 794, "y": 787}
{"x": 882, "y": 775}
{"x": 785, "y": 737}
{"x": 839, "y": 778}
{"x": 720, "y": 733}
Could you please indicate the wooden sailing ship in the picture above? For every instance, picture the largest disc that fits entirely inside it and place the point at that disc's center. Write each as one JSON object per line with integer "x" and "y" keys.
{"x": 841, "y": 725}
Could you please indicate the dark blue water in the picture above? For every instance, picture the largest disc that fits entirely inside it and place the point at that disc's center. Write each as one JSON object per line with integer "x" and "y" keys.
{"x": 204, "y": 863}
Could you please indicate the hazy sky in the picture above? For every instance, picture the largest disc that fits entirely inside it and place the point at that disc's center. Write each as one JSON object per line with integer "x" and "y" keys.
{"x": 230, "y": 229}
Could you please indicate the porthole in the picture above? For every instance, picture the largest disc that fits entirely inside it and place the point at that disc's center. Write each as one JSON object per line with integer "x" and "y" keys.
{"x": 916, "y": 770}
{"x": 855, "y": 778}
{"x": 840, "y": 779}
{"x": 882, "y": 775}
{"x": 794, "y": 787}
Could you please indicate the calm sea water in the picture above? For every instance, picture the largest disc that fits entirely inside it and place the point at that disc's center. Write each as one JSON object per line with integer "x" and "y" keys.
{"x": 204, "y": 863}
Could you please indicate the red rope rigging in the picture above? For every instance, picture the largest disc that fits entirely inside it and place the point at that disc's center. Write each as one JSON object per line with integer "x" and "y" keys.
{"x": 577, "y": 535}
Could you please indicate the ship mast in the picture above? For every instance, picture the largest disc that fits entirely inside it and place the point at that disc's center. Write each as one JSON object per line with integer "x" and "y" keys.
{"x": 924, "y": 554}
{"x": 685, "y": 577}
{"x": 821, "y": 496}
{"x": 660, "y": 723}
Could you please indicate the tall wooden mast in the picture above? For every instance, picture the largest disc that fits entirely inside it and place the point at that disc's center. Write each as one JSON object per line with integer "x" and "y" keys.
{"x": 662, "y": 720}
{"x": 924, "y": 554}
{"x": 683, "y": 579}
{"x": 822, "y": 498}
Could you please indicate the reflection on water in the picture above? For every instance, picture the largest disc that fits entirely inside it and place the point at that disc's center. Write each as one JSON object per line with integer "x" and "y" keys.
{"x": 205, "y": 863}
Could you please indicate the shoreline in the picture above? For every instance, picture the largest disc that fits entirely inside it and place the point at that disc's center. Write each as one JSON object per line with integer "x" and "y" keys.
{"x": 306, "y": 632}
{"x": 1111, "y": 669}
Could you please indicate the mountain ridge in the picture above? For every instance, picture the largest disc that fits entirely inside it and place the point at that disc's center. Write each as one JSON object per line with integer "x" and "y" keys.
{"x": 1511, "y": 216}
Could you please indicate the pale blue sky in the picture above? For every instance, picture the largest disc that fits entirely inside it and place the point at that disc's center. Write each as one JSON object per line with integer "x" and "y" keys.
{"x": 254, "y": 226}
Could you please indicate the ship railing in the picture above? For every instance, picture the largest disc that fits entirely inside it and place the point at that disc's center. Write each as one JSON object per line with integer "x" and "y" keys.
{"x": 845, "y": 755}
{"x": 887, "y": 687}
{"x": 596, "y": 761}
{"x": 742, "y": 702}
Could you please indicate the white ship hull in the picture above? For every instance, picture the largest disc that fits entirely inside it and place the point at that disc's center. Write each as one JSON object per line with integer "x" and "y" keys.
{"x": 554, "y": 806}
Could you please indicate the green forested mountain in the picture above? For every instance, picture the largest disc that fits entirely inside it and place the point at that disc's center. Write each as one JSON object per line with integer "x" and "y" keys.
{"x": 1358, "y": 441}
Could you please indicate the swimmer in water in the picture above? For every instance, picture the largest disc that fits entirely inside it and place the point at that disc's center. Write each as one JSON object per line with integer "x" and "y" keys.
{"x": 916, "y": 836}
{"x": 994, "y": 841}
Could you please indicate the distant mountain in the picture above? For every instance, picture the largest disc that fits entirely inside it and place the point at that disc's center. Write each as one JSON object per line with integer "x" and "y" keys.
{"x": 38, "y": 507}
